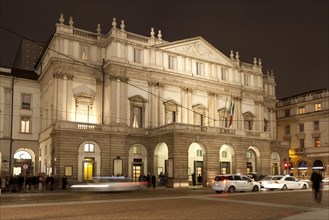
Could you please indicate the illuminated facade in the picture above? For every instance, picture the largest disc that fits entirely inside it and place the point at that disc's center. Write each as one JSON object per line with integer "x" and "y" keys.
{"x": 303, "y": 120}
{"x": 19, "y": 127}
{"x": 122, "y": 103}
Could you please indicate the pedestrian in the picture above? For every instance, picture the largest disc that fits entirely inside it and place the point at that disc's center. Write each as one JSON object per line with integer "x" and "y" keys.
{"x": 199, "y": 179}
{"x": 316, "y": 179}
{"x": 64, "y": 182}
{"x": 193, "y": 179}
{"x": 153, "y": 179}
{"x": 161, "y": 176}
{"x": 148, "y": 180}
{"x": 51, "y": 182}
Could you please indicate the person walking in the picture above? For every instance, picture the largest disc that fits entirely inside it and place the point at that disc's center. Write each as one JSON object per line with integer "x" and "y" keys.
{"x": 316, "y": 179}
{"x": 153, "y": 179}
{"x": 200, "y": 179}
{"x": 193, "y": 179}
{"x": 64, "y": 182}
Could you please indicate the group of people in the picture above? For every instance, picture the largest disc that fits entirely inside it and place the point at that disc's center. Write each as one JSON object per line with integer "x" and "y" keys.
{"x": 19, "y": 183}
{"x": 151, "y": 180}
{"x": 194, "y": 179}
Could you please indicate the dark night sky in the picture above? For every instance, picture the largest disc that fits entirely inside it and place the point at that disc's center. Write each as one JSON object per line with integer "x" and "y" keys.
{"x": 291, "y": 37}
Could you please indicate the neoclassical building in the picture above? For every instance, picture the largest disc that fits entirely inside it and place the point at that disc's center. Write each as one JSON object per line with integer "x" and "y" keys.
{"x": 122, "y": 103}
{"x": 303, "y": 121}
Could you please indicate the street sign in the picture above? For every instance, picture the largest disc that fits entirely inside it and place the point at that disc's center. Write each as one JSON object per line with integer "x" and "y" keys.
{"x": 25, "y": 166}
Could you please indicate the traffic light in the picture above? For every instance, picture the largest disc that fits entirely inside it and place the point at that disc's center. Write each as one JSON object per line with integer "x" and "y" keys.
{"x": 286, "y": 166}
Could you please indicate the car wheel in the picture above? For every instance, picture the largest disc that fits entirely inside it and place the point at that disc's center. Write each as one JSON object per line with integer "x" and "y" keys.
{"x": 304, "y": 186}
{"x": 218, "y": 191}
{"x": 255, "y": 189}
{"x": 284, "y": 187}
{"x": 231, "y": 189}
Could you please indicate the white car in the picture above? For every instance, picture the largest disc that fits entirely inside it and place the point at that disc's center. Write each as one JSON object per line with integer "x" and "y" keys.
{"x": 268, "y": 179}
{"x": 233, "y": 182}
{"x": 284, "y": 183}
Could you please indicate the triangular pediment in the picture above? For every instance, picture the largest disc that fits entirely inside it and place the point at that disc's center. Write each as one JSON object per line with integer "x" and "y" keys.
{"x": 198, "y": 48}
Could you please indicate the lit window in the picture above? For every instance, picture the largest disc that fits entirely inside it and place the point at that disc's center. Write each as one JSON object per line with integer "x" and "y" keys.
{"x": 199, "y": 153}
{"x": 317, "y": 107}
{"x": 89, "y": 148}
{"x": 137, "y": 55}
{"x": 317, "y": 142}
{"x": 137, "y": 150}
{"x": 25, "y": 124}
{"x": 84, "y": 52}
{"x": 287, "y": 129}
{"x": 26, "y": 101}
{"x": 301, "y": 110}
{"x": 172, "y": 62}
{"x": 137, "y": 117}
{"x": 199, "y": 68}
{"x": 224, "y": 74}
{"x": 316, "y": 125}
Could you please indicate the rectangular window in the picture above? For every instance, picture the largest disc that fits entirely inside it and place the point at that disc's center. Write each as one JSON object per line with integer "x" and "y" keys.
{"x": 25, "y": 124}
{"x": 248, "y": 125}
{"x": 224, "y": 74}
{"x": 199, "y": 68}
{"x": 287, "y": 112}
{"x": 89, "y": 148}
{"x": 317, "y": 107}
{"x": 301, "y": 110}
{"x": 172, "y": 62}
{"x": 137, "y": 55}
{"x": 84, "y": 52}
{"x": 198, "y": 119}
{"x": 301, "y": 127}
{"x": 287, "y": 129}
{"x": 317, "y": 142}
{"x": 265, "y": 125}
{"x": 199, "y": 153}
{"x": 137, "y": 117}
{"x": 171, "y": 117}
{"x": 247, "y": 80}
{"x": 26, "y": 101}
{"x": 316, "y": 125}
{"x": 302, "y": 143}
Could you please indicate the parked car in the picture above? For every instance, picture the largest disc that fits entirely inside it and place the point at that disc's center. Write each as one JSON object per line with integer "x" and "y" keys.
{"x": 233, "y": 182}
{"x": 283, "y": 183}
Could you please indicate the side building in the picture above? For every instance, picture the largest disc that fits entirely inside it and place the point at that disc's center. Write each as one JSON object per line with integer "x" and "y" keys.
{"x": 19, "y": 121}
{"x": 303, "y": 121}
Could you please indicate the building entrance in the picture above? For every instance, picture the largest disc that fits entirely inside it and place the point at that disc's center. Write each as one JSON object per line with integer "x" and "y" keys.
{"x": 88, "y": 169}
{"x": 137, "y": 173}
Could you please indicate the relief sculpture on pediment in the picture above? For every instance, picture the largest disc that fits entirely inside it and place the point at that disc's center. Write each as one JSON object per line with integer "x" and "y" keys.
{"x": 196, "y": 50}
